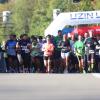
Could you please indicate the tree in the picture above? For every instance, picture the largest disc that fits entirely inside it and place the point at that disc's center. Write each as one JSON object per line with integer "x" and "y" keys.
{"x": 40, "y": 18}
{"x": 86, "y": 5}
{"x": 96, "y": 4}
{"x": 22, "y": 14}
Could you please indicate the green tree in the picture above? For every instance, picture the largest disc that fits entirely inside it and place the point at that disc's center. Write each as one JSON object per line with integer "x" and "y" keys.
{"x": 96, "y": 4}
{"x": 40, "y": 19}
{"x": 86, "y": 5}
{"x": 22, "y": 14}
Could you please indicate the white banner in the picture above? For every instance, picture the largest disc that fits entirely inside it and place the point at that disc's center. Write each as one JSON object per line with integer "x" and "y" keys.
{"x": 72, "y": 18}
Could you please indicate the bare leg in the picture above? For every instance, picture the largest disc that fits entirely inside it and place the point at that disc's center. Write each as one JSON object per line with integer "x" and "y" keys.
{"x": 46, "y": 64}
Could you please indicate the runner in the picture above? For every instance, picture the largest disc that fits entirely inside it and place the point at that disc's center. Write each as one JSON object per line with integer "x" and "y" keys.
{"x": 72, "y": 57}
{"x": 25, "y": 48}
{"x": 72, "y": 41}
{"x": 65, "y": 51}
{"x": 12, "y": 61}
{"x": 48, "y": 49}
{"x": 57, "y": 53}
{"x": 36, "y": 55}
{"x": 97, "y": 60}
{"x": 2, "y": 61}
{"x": 90, "y": 44}
{"x": 86, "y": 35}
{"x": 79, "y": 50}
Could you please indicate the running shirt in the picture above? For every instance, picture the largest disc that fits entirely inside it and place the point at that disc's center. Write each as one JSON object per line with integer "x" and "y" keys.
{"x": 79, "y": 48}
{"x": 36, "y": 49}
{"x": 65, "y": 46}
{"x": 48, "y": 49}
{"x": 98, "y": 49}
{"x": 24, "y": 46}
{"x": 90, "y": 44}
{"x": 11, "y": 47}
{"x": 57, "y": 42}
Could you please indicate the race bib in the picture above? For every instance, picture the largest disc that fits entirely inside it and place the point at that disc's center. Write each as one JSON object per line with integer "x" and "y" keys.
{"x": 24, "y": 48}
{"x": 91, "y": 51}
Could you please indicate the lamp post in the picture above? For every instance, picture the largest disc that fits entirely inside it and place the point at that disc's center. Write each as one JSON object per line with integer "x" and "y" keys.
{"x": 6, "y": 22}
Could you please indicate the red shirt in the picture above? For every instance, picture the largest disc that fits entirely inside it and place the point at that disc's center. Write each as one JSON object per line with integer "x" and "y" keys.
{"x": 48, "y": 49}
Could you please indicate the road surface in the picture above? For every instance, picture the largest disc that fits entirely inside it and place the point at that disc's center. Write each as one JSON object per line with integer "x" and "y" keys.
{"x": 49, "y": 87}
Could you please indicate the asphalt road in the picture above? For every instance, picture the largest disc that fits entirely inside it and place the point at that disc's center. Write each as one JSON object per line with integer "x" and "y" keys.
{"x": 49, "y": 87}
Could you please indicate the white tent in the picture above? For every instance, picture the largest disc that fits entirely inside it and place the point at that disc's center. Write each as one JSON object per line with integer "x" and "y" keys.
{"x": 72, "y": 18}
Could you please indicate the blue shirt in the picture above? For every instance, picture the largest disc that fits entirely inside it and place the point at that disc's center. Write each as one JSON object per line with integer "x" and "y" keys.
{"x": 11, "y": 47}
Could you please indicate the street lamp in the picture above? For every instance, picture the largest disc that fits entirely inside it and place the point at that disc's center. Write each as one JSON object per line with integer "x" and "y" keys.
{"x": 6, "y": 18}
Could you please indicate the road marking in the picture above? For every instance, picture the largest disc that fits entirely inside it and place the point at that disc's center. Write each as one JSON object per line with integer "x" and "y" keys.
{"x": 96, "y": 75}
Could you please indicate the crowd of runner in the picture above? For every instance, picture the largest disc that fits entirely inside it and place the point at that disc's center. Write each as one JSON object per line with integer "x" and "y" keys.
{"x": 64, "y": 53}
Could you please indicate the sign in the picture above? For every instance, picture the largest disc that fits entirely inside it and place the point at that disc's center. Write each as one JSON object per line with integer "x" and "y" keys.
{"x": 88, "y": 17}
